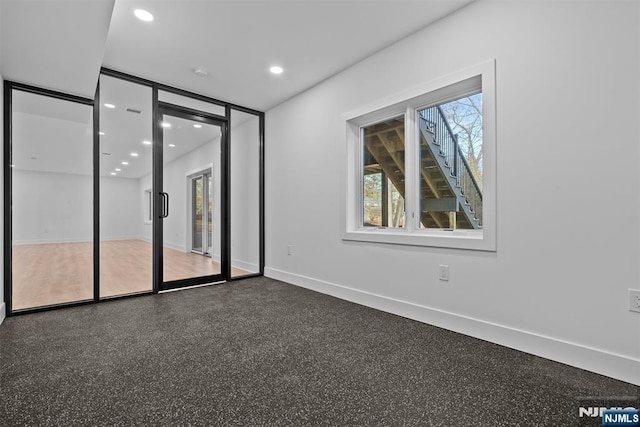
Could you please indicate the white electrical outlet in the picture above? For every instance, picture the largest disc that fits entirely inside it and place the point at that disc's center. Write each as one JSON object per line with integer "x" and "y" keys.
{"x": 443, "y": 272}
{"x": 289, "y": 250}
{"x": 634, "y": 300}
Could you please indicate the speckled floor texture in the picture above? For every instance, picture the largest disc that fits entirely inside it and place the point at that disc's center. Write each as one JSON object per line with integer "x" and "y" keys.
{"x": 259, "y": 352}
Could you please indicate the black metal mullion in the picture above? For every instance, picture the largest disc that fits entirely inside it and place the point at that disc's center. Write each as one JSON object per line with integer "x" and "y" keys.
{"x": 8, "y": 261}
{"x": 226, "y": 196}
{"x": 261, "y": 126}
{"x": 51, "y": 93}
{"x": 156, "y": 191}
{"x": 191, "y": 114}
{"x": 96, "y": 195}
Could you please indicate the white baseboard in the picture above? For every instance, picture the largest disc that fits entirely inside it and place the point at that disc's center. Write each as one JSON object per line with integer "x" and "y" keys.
{"x": 175, "y": 246}
{"x": 113, "y": 238}
{"x": 245, "y": 265}
{"x": 599, "y": 361}
{"x": 89, "y": 240}
{"x": 3, "y": 312}
{"x": 48, "y": 241}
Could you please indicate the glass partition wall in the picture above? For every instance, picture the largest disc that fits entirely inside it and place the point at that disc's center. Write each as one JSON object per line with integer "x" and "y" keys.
{"x": 52, "y": 200}
{"x": 245, "y": 193}
{"x": 126, "y": 159}
{"x": 144, "y": 188}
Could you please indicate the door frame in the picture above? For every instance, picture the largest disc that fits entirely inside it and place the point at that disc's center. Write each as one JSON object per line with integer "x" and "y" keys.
{"x": 167, "y": 109}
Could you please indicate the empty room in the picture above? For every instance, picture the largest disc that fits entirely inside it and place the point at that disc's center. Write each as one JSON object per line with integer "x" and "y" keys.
{"x": 301, "y": 212}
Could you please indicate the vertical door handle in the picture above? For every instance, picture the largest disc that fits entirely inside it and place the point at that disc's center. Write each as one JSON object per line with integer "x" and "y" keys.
{"x": 165, "y": 205}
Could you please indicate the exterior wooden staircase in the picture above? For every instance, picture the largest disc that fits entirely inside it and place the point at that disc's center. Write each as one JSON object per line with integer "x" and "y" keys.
{"x": 450, "y": 195}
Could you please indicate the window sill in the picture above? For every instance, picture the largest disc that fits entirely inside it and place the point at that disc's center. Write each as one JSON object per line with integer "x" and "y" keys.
{"x": 454, "y": 239}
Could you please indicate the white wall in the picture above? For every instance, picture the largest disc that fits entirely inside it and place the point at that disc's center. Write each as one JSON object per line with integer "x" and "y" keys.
{"x": 121, "y": 215}
{"x": 245, "y": 196}
{"x": 568, "y": 193}
{"x": 55, "y": 207}
{"x": 52, "y": 207}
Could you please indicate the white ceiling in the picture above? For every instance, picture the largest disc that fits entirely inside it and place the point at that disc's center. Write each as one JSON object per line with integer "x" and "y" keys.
{"x": 55, "y": 44}
{"x": 60, "y": 44}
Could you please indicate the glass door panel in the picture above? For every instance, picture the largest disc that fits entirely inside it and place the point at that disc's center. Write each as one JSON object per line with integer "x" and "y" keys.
{"x": 191, "y": 183}
{"x": 245, "y": 194}
{"x": 52, "y": 201}
{"x": 125, "y": 187}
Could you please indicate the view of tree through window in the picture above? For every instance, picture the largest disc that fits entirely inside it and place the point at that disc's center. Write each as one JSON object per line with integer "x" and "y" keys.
{"x": 451, "y": 164}
{"x": 465, "y": 118}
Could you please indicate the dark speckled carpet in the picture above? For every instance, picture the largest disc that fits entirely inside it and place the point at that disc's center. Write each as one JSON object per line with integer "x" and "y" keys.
{"x": 261, "y": 352}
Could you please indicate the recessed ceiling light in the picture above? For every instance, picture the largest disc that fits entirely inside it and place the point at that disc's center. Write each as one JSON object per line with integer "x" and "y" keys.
{"x": 145, "y": 142}
{"x": 172, "y": 145}
{"x": 113, "y": 173}
{"x": 276, "y": 69}
{"x": 125, "y": 163}
{"x": 100, "y": 133}
{"x": 166, "y": 124}
{"x": 143, "y": 15}
{"x": 109, "y": 105}
{"x": 200, "y": 72}
{"x": 197, "y": 126}
{"x": 134, "y": 154}
{"x": 118, "y": 169}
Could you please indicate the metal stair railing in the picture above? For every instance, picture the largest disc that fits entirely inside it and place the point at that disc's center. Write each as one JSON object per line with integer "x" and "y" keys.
{"x": 449, "y": 148}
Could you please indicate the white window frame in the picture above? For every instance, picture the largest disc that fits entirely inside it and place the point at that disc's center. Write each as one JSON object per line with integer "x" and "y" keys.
{"x": 448, "y": 88}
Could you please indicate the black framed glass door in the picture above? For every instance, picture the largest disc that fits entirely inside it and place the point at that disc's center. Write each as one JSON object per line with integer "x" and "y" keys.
{"x": 189, "y": 200}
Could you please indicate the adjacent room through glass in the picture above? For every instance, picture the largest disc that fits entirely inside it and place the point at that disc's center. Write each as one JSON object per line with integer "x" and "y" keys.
{"x": 52, "y": 201}
{"x": 125, "y": 187}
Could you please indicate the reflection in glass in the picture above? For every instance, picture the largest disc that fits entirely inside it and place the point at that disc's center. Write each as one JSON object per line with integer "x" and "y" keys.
{"x": 125, "y": 188}
{"x": 191, "y": 178}
{"x": 245, "y": 194}
{"x": 52, "y": 201}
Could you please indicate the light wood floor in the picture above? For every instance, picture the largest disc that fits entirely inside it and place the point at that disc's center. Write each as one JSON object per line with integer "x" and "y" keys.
{"x": 57, "y": 273}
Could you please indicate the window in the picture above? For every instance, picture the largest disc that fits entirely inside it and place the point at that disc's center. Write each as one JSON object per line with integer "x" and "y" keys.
{"x": 421, "y": 169}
